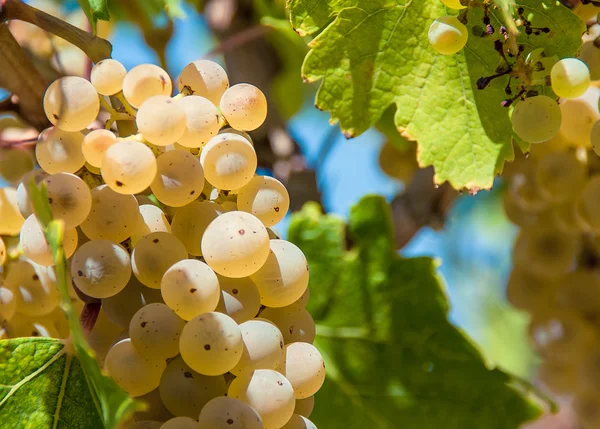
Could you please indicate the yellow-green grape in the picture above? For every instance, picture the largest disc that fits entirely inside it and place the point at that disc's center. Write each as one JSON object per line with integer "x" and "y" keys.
{"x": 38, "y": 326}
{"x": 3, "y": 252}
{"x": 528, "y": 292}
{"x": 128, "y": 167}
{"x": 299, "y": 422}
{"x": 69, "y": 197}
{"x": 294, "y": 322}
{"x": 305, "y": 406}
{"x": 100, "y": 268}
{"x": 244, "y": 106}
{"x": 156, "y": 410}
{"x": 304, "y": 368}
{"x": 190, "y": 288}
{"x": 447, "y": 35}
{"x": 595, "y": 137}
{"x": 154, "y": 331}
{"x": 107, "y": 76}
{"x": 579, "y": 291}
{"x": 153, "y": 255}
{"x": 132, "y": 371}
{"x": 180, "y": 423}
{"x": 161, "y": 120}
{"x": 240, "y": 298}
{"x": 397, "y": 164}
{"x": 266, "y": 198}
{"x": 202, "y": 121}
{"x": 11, "y": 217}
{"x": 536, "y": 119}
{"x": 587, "y": 407}
{"x": 565, "y": 218}
{"x": 145, "y": 81}
{"x": 95, "y": 144}
{"x": 34, "y": 289}
{"x": 112, "y": 217}
{"x": 15, "y": 163}
{"x": 579, "y": 116}
{"x": 235, "y": 244}
{"x": 454, "y": 4}
{"x": 229, "y": 161}
{"x": 23, "y": 200}
{"x": 283, "y": 278}
{"x": 211, "y": 343}
{"x": 8, "y": 304}
{"x": 34, "y": 244}
{"x": 570, "y": 78}
{"x": 588, "y": 204}
{"x": 263, "y": 346}
{"x": 190, "y": 222}
{"x": 59, "y": 319}
{"x": 204, "y": 78}
{"x": 525, "y": 195}
{"x": 121, "y": 307}
{"x": 558, "y": 175}
{"x": 71, "y": 103}
{"x": 152, "y": 219}
{"x": 179, "y": 179}
{"x": 244, "y": 134}
{"x": 102, "y": 337}
{"x": 560, "y": 336}
{"x": 268, "y": 392}
{"x": 589, "y": 54}
{"x": 225, "y": 412}
{"x": 184, "y": 391}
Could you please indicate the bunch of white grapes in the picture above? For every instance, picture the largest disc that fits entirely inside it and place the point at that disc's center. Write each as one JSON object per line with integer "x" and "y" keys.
{"x": 202, "y": 304}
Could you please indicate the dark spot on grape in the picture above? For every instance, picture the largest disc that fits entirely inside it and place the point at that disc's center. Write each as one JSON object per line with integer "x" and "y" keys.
{"x": 206, "y": 346}
{"x": 241, "y": 232}
{"x": 163, "y": 81}
{"x": 192, "y": 290}
{"x": 55, "y": 116}
{"x": 188, "y": 374}
{"x": 143, "y": 324}
{"x": 50, "y": 200}
{"x": 280, "y": 383}
{"x": 276, "y": 209}
{"x": 229, "y": 421}
{"x": 234, "y": 291}
{"x": 34, "y": 334}
{"x": 35, "y": 277}
{"x": 119, "y": 184}
{"x": 192, "y": 193}
{"x": 281, "y": 343}
{"x": 155, "y": 240}
{"x": 79, "y": 273}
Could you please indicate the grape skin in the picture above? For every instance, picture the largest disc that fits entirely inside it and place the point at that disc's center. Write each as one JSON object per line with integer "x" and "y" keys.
{"x": 23, "y": 200}
{"x": 34, "y": 244}
{"x": 145, "y": 81}
{"x": 154, "y": 331}
{"x": 263, "y": 346}
{"x": 8, "y": 304}
{"x": 128, "y": 167}
{"x": 536, "y": 119}
{"x": 12, "y": 220}
{"x": 153, "y": 255}
{"x": 95, "y": 144}
{"x": 304, "y": 368}
{"x": 266, "y": 198}
{"x": 121, "y": 307}
{"x": 151, "y": 219}
{"x": 34, "y": 290}
{"x": 229, "y": 161}
{"x": 202, "y": 121}
{"x": 161, "y": 120}
{"x": 179, "y": 179}
{"x": 190, "y": 223}
{"x": 59, "y": 151}
{"x": 244, "y": 106}
{"x": 180, "y": 423}
{"x": 299, "y": 422}
{"x": 447, "y": 35}
{"x": 204, "y": 78}
{"x": 69, "y": 197}
{"x": 305, "y": 406}
{"x": 239, "y": 298}
{"x": 71, "y": 103}
{"x": 570, "y": 78}
{"x": 294, "y": 322}
{"x": 107, "y": 76}
{"x": 229, "y": 413}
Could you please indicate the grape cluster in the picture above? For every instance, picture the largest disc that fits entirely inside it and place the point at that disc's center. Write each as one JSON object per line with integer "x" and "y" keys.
{"x": 202, "y": 304}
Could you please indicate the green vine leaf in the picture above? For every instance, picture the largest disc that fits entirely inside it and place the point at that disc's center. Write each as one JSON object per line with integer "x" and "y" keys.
{"x": 372, "y": 54}
{"x": 58, "y": 383}
{"x": 393, "y": 359}
{"x": 95, "y": 10}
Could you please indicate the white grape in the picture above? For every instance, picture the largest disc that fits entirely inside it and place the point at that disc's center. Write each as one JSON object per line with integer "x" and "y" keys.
{"x": 34, "y": 244}
{"x": 180, "y": 423}
{"x": 8, "y": 304}
{"x": 240, "y": 298}
{"x": 266, "y": 198}
{"x": 229, "y": 161}
{"x": 161, "y": 120}
{"x": 263, "y": 346}
{"x": 211, "y": 343}
{"x": 38, "y": 326}
{"x": 59, "y": 151}
{"x": 454, "y": 4}
{"x": 229, "y": 413}
{"x": 570, "y": 78}
{"x": 107, "y": 76}
{"x": 294, "y": 321}
{"x": 154, "y": 331}
{"x": 184, "y": 391}
{"x": 204, "y": 78}
{"x": 69, "y": 197}
{"x": 447, "y": 35}
{"x": 283, "y": 278}
{"x": 3, "y": 252}
{"x": 153, "y": 255}
{"x": 71, "y": 103}
{"x": 121, "y": 307}
{"x": 23, "y": 200}
{"x": 101, "y": 268}
{"x": 202, "y": 121}
{"x": 156, "y": 410}
{"x": 594, "y": 138}
{"x": 536, "y": 119}
{"x": 305, "y": 406}
{"x": 299, "y": 422}
{"x": 11, "y": 219}
{"x": 133, "y": 372}
{"x": 152, "y": 219}
{"x": 304, "y": 368}
{"x": 95, "y": 144}
{"x": 15, "y": 162}
{"x": 145, "y": 81}
{"x": 113, "y": 216}
{"x": 190, "y": 223}
{"x": 579, "y": 116}
{"x": 268, "y": 392}
{"x": 144, "y": 424}
{"x": 190, "y": 288}
{"x": 235, "y": 244}
{"x": 34, "y": 289}
{"x": 244, "y": 106}
{"x": 179, "y": 179}
{"x": 128, "y": 167}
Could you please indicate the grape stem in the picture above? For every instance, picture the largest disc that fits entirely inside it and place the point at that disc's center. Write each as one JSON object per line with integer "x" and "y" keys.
{"x": 128, "y": 108}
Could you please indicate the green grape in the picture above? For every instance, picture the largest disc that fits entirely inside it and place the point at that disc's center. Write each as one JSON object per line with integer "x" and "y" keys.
{"x": 145, "y": 81}
{"x": 179, "y": 179}
{"x": 579, "y": 116}
{"x": 180, "y": 423}
{"x": 266, "y": 198}
{"x": 204, "y": 78}
{"x": 268, "y": 392}
{"x": 305, "y": 406}
{"x": 299, "y": 422}
{"x": 69, "y": 197}
{"x": 447, "y": 35}
{"x": 229, "y": 161}
{"x": 12, "y": 220}
{"x": 101, "y": 268}
{"x": 304, "y": 368}
{"x": 454, "y": 4}
{"x": 595, "y": 138}
{"x": 190, "y": 288}
{"x": 161, "y": 120}
{"x": 536, "y": 119}
{"x": 128, "y": 167}
{"x": 71, "y": 103}
{"x": 154, "y": 331}
{"x": 34, "y": 288}
{"x": 570, "y": 78}
{"x": 589, "y": 54}
{"x": 229, "y": 413}
{"x": 560, "y": 336}
{"x": 156, "y": 410}
{"x": 152, "y": 219}
{"x": 239, "y": 298}
{"x": 121, "y": 307}
{"x": 558, "y": 175}
{"x": 588, "y": 205}
{"x": 400, "y": 165}
{"x": 294, "y": 322}
{"x": 24, "y": 326}
{"x": 153, "y": 255}
{"x": 184, "y": 391}
{"x": 59, "y": 151}
{"x": 528, "y": 292}
{"x": 263, "y": 346}
{"x": 190, "y": 223}
{"x": 107, "y": 76}
{"x": 94, "y": 146}
{"x": 34, "y": 244}
{"x": 8, "y": 304}
{"x": 244, "y": 106}
{"x": 211, "y": 343}
{"x": 202, "y": 121}
{"x": 15, "y": 163}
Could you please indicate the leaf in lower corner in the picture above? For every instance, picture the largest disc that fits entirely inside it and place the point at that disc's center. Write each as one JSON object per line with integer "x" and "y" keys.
{"x": 393, "y": 359}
